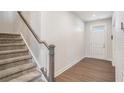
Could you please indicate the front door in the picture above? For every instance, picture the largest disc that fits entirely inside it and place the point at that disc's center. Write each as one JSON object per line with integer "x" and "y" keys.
{"x": 97, "y": 41}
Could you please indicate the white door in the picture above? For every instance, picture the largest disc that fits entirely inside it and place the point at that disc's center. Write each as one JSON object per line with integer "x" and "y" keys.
{"x": 97, "y": 42}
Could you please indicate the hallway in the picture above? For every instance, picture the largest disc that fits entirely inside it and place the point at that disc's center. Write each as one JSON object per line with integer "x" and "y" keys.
{"x": 89, "y": 70}
{"x": 79, "y": 46}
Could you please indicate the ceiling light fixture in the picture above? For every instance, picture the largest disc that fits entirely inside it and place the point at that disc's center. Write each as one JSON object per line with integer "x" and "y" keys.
{"x": 94, "y": 15}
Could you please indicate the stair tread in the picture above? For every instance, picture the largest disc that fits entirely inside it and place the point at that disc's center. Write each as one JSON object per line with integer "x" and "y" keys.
{"x": 10, "y": 39}
{"x": 27, "y": 77}
{"x": 16, "y": 69}
{"x": 13, "y": 34}
{"x": 13, "y": 51}
{"x": 38, "y": 80}
{"x": 12, "y": 44}
{"x": 15, "y": 59}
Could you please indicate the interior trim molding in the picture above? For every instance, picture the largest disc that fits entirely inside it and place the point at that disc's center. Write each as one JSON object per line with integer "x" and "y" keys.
{"x": 108, "y": 59}
{"x": 57, "y": 73}
{"x": 35, "y": 60}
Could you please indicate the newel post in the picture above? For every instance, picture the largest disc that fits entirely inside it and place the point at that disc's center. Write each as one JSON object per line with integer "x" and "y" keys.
{"x": 51, "y": 63}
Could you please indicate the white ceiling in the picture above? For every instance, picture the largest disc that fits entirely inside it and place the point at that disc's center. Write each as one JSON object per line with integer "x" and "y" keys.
{"x": 93, "y": 15}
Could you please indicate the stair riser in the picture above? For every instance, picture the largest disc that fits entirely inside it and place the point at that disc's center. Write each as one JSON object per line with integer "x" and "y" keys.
{"x": 10, "y": 41}
{"x": 27, "y": 77}
{"x": 17, "y": 75}
{"x": 9, "y": 36}
{"x": 12, "y": 47}
{"x": 5, "y": 56}
{"x": 5, "y": 66}
{"x": 34, "y": 79}
{"x": 37, "y": 80}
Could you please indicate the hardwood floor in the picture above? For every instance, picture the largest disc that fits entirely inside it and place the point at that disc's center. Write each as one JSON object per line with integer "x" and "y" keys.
{"x": 89, "y": 70}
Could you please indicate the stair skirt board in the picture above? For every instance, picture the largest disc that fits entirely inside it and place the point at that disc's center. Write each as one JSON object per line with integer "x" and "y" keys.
{"x": 16, "y": 61}
{"x": 30, "y": 51}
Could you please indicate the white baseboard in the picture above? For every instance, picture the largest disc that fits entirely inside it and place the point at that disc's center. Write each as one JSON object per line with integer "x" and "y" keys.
{"x": 57, "y": 73}
{"x": 108, "y": 59}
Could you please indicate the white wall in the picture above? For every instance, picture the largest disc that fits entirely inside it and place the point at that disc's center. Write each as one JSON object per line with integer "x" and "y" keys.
{"x": 118, "y": 43}
{"x": 66, "y": 32}
{"x": 7, "y": 19}
{"x": 88, "y": 25}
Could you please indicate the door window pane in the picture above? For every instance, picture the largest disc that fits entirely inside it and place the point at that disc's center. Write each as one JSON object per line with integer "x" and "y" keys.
{"x": 98, "y": 28}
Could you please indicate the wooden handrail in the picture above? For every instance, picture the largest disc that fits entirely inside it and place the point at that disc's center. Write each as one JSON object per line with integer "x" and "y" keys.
{"x": 32, "y": 31}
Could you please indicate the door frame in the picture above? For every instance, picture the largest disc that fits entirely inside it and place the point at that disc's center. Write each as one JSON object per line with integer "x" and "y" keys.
{"x": 105, "y": 26}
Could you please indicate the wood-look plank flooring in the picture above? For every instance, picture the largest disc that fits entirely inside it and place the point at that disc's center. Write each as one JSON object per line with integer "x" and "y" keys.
{"x": 89, "y": 70}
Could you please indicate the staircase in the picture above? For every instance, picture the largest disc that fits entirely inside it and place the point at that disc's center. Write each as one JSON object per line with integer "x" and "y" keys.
{"x": 16, "y": 63}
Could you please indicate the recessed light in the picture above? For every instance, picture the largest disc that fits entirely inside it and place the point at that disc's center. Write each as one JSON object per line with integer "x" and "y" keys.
{"x": 94, "y": 15}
